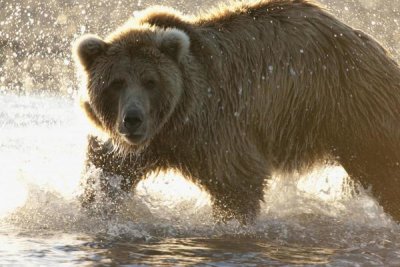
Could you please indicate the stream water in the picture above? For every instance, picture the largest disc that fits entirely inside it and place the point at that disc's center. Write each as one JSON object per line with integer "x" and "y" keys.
{"x": 317, "y": 220}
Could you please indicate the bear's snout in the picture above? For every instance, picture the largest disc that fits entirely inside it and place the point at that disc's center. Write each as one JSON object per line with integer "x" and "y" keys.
{"x": 133, "y": 120}
{"x": 132, "y": 126}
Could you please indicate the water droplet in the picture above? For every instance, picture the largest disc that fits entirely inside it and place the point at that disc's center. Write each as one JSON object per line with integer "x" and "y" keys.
{"x": 270, "y": 68}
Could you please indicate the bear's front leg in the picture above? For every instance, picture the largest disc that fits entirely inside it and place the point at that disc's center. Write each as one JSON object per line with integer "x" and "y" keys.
{"x": 237, "y": 191}
{"x": 107, "y": 175}
{"x": 240, "y": 202}
{"x": 236, "y": 182}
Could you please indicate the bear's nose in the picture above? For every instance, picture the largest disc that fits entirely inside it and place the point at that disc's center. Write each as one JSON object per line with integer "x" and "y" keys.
{"x": 133, "y": 120}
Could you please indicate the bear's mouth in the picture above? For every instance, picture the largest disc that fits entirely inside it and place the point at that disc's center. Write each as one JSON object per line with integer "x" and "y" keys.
{"x": 133, "y": 139}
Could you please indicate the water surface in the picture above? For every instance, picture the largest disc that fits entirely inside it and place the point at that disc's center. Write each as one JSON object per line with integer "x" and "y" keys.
{"x": 312, "y": 221}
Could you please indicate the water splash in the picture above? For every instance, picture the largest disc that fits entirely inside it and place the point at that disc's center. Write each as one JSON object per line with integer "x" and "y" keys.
{"x": 309, "y": 219}
{"x": 43, "y": 170}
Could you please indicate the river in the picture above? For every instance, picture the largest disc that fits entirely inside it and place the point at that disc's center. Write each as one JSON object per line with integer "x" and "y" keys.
{"x": 317, "y": 220}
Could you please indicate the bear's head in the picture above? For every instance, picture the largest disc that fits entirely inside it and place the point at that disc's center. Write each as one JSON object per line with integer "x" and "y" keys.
{"x": 134, "y": 81}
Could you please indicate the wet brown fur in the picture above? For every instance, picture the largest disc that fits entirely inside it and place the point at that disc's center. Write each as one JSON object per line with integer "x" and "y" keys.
{"x": 270, "y": 87}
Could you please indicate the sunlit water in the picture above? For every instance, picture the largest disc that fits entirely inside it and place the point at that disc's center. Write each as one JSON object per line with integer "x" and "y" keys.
{"x": 315, "y": 220}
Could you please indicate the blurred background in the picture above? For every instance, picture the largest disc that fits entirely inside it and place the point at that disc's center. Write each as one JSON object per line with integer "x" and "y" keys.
{"x": 36, "y": 36}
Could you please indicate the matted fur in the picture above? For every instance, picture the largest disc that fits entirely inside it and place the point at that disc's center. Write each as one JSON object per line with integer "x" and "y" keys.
{"x": 269, "y": 87}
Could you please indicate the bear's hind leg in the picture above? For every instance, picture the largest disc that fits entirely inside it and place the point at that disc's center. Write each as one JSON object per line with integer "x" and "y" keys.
{"x": 376, "y": 164}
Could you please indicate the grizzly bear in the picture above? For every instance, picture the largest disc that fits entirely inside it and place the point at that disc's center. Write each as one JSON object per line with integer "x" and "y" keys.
{"x": 231, "y": 97}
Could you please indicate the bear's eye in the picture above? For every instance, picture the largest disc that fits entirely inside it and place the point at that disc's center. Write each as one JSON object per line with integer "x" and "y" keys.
{"x": 149, "y": 83}
{"x": 117, "y": 85}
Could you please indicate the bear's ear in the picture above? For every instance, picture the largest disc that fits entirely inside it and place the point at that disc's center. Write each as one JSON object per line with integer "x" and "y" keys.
{"x": 88, "y": 48}
{"x": 174, "y": 43}
{"x": 91, "y": 115}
